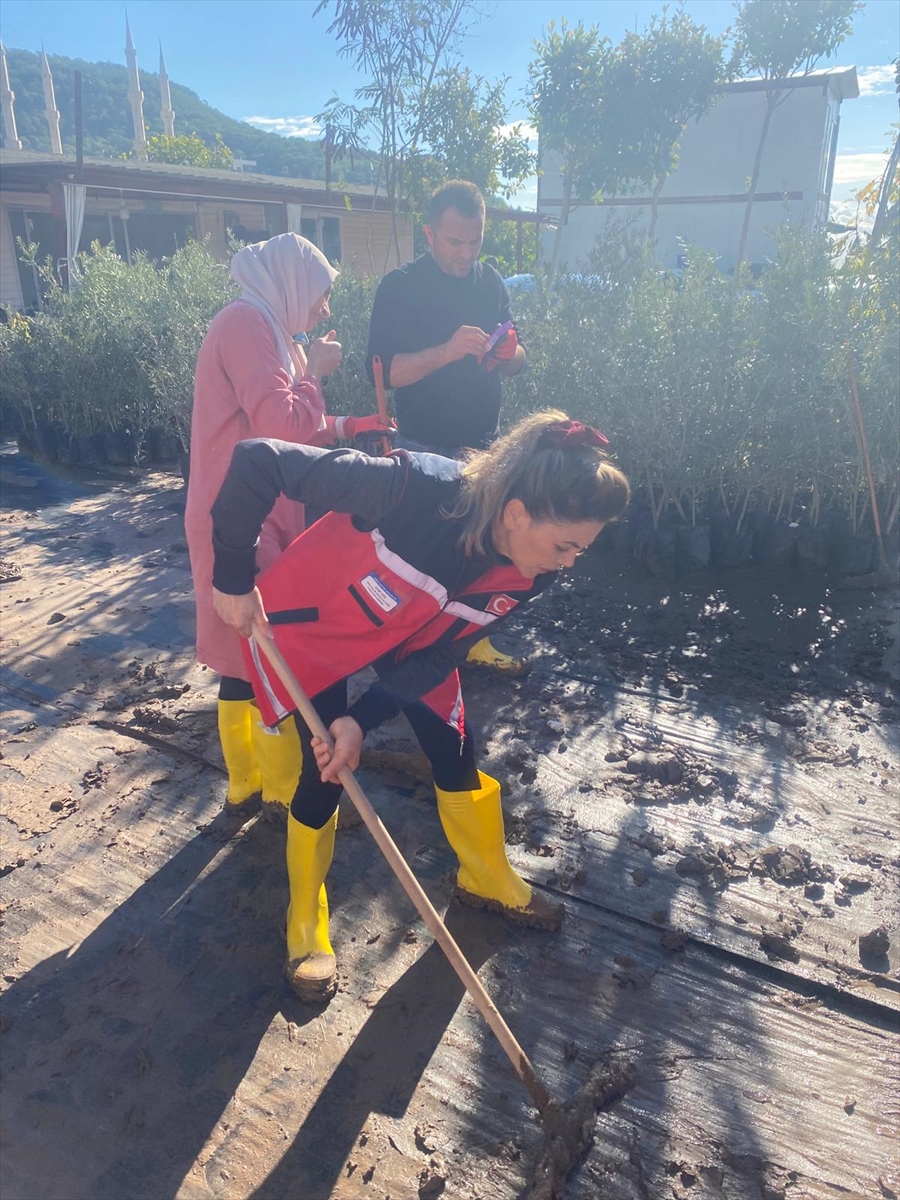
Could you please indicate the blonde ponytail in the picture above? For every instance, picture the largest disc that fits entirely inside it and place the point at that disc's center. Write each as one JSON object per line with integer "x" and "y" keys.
{"x": 555, "y": 466}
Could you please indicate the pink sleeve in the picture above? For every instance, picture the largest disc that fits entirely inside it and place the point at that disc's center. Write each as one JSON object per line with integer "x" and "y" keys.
{"x": 274, "y": 407}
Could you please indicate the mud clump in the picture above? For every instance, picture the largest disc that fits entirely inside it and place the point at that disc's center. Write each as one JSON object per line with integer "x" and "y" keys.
{"x": 791, "y": 865}
{"x": 715, "y": 865}
{"x": 667, "y": 768}
{"x": 569, "y": 1128}
{"x": 433, "y": 1178}
{"x": 875, "y": 943}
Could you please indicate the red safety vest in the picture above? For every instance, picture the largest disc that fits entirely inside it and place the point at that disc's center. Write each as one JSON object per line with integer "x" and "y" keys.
{"x": 338, "y": 599}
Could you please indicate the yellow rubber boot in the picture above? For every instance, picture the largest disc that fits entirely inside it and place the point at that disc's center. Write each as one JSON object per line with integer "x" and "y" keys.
{"x": 473, "y": 823}
{"x": 236, "y": 736}
{"x": 310, "y": 968}
{"x": 486, "y": 654}
{"x": 280, "y": 759}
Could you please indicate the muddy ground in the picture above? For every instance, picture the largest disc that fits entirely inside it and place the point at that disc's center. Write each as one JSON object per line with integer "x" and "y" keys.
{"x": 704, "y": 767}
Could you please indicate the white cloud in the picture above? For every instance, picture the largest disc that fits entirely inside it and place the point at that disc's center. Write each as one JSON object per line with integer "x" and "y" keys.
{"x": 850, "y": 212}
{"x": 304, "y": 127}
{"x": 527, "y": 131}
{"x": 876, "y": 81}
{"x": 858, "y": 168}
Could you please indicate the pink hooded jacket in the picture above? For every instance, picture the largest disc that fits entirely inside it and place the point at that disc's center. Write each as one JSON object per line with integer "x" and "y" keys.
{"x": 249, "y": 383}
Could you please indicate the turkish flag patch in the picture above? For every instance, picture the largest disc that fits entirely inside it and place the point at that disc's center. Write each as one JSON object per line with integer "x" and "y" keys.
{"x": 501, "y": 604}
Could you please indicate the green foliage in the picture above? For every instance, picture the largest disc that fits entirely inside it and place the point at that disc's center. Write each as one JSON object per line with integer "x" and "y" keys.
{"x": 348, "y": 391}
{"x": 400, "y": 47}
{"x": 188, "y": 151}
{"x": 613, "y": 116}
{"x": 463, "y": 135}
{"x": 107, "y": 118}
{"x": 500, "y": 240}
{"x": 721, "y": 398}
{"x": 569, "y": 80}
{"x": 117, "y": 353}
{"x": 718, "y": 399}
{"x": 663, "y": 79}
{"x": 777, "y": 39}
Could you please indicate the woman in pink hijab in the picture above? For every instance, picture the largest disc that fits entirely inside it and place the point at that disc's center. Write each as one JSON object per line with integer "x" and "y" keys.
{"x": 253, "y": 380}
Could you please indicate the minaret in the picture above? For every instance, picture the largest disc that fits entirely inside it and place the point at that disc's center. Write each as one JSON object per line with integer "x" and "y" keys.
{"x": 168, "y": 116}
{"x": 135, "y": 95}
{"x": 50, "y": 112}
{"x": 7, "y": 96}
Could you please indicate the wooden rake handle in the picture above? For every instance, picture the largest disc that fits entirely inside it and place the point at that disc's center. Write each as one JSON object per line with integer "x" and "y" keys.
{"x": 380, "y": 400}
{"x": 473, "y": 985}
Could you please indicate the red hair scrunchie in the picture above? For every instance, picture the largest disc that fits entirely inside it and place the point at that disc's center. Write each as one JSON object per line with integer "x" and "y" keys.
{"x": 573, "y": 433}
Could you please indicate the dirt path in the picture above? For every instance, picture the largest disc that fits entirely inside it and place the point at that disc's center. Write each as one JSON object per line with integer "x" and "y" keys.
{"x": 705, "y": 768}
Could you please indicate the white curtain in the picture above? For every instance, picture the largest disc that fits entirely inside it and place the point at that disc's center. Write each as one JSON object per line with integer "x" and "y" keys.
{"x": 293, "y": 217}
{"x": 73, "y": 196}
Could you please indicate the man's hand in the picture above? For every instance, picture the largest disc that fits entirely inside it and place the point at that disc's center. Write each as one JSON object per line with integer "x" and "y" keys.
{"x": 504, "y": 351}
{"x": 348, "y": 740}
{"x": 468, "y": 339}
{"x": 245, "y": 613}
{"x": 324, "y": 356}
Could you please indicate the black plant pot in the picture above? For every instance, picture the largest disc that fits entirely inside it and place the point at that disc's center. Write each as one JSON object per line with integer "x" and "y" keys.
{"x": 121, "y": 450}
{"x": 693, "y": 548}
{"x": 68, "y": 449}
{"x": 26, "y": 441}
{"x": 91, "y": 450}
{"x": 812, "y": 546}
{"x": 728, "y": 547}
{"x": 46, "y": 442}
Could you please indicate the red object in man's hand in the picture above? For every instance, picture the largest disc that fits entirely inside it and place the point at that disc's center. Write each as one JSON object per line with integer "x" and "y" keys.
{"x": 503, "y": 351}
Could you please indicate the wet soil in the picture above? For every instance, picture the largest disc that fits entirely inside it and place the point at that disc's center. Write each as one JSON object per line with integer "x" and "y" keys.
{"x": 704, "y": 768}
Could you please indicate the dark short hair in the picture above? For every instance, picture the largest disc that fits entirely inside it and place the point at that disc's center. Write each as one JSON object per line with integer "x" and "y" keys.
{"x": 465, "y": 197}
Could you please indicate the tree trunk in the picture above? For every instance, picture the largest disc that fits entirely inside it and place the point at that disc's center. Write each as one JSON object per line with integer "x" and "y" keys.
{"x": 754, "y": 179}
{"x": 563, "y": 219}
{"x": 654, "y": 208}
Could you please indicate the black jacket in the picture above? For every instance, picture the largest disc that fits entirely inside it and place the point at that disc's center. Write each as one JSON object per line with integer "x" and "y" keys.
{"x": 405, "y": 497}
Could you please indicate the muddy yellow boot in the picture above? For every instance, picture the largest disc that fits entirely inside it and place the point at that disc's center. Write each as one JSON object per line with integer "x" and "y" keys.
{"x": 280, "y": 759}
{"x": 473, "y": 823}
{"x": 486, "y": 654}
{"x": 236, "y": 736}
{"x": 310, "y": 966}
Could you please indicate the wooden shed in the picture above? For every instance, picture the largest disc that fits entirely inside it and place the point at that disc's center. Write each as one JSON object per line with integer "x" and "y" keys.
{"x": 156, "y": 207}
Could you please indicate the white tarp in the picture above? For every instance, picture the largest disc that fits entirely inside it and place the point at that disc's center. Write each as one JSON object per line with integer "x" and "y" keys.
{"x": 293, "y": 217}
{"x": 73, "y": 196}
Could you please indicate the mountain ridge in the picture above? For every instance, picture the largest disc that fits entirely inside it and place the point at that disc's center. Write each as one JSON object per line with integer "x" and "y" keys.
{"x": 108, "y": 131}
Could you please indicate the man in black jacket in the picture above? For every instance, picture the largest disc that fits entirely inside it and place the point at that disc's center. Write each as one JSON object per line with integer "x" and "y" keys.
{"x": 431, "y": 326}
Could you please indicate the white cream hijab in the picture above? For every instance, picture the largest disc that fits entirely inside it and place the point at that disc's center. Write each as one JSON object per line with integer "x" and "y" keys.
{"x": 283, "y": 278}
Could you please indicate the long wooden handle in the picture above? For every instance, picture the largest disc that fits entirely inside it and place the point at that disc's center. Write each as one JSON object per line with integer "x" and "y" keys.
{"x": 473, "y": 985}
{"x": 381, "y": 399}
{"x": 380, "y": 395}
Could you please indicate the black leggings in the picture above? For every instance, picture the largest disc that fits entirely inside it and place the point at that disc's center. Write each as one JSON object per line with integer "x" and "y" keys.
{"x": 234, "y": 689}
{"x": 452, "y": 757}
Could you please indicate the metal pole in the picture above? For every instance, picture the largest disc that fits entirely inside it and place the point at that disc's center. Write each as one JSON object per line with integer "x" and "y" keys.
{"x": 79, "y": 132}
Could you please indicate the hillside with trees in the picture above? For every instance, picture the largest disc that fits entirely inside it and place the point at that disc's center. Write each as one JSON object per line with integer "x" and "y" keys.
{"x": 107, "y": 118}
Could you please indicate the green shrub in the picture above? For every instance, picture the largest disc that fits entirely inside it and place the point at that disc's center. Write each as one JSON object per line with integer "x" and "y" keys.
{"x": 116, "y": 354}
{"x": 721, "y": 398}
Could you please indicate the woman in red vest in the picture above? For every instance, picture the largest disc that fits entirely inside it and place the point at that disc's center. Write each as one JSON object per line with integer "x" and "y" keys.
{"x": 419, "y": 557}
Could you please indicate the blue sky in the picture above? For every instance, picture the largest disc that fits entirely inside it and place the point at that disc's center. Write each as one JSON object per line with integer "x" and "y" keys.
{"x": 272, "y": 63}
